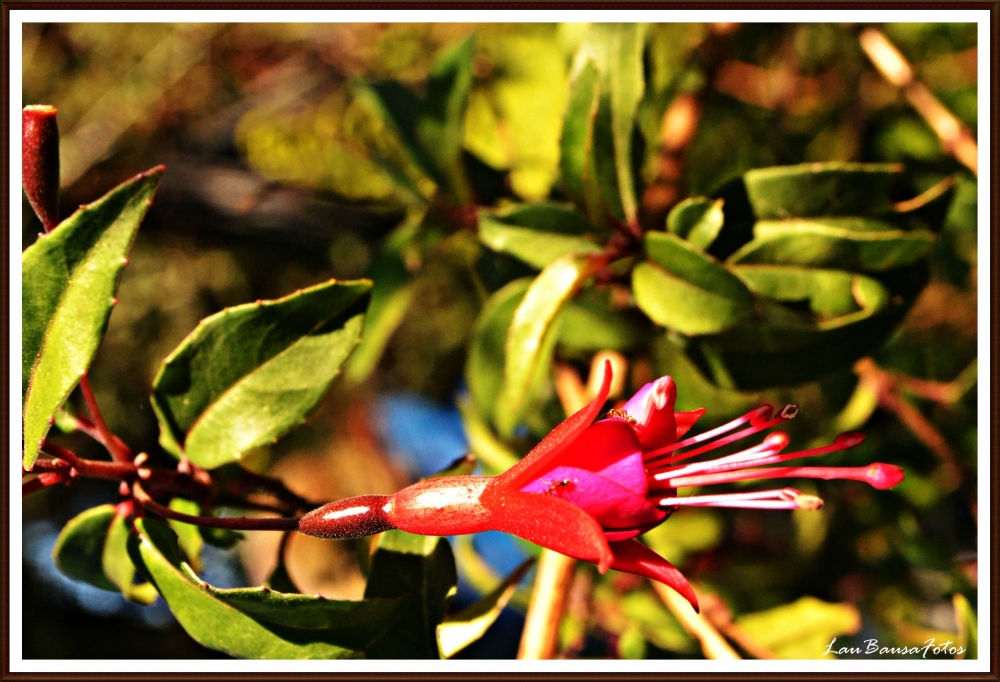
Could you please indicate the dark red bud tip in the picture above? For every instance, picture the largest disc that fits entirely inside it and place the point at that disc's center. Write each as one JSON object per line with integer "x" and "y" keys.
{"x": 884, "y": 476}
{"x": 849, "y": 439}
{"x": 761, "y": 415}
{"x": 354, "y": 517}
{"x": 40, "y": 162}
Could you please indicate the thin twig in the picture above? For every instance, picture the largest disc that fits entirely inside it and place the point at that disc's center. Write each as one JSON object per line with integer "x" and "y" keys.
{"x": 41, "y": 481}
{"x": 713, "y": 644}
{"x": 230, "y": 523}
{"x": 118, "y": 450}
{"x": 955, "y": 138}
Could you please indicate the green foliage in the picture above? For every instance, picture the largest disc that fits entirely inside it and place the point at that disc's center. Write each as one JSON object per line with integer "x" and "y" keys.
{"x": 69, "y": 280}
{"x": 802, "y": 629}
{"x": 248, "y": 374}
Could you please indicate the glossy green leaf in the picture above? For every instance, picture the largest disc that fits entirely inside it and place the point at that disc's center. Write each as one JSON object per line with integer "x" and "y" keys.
{"x": 188, "y": 537}
{"x": 250, "y": 373}
{"x": 821, "y": 189}
{"x": 69, "y": 278}
{"x": 624, "y": 74}
{"x": 577, "y": 141}
{"x": 463, "y": 628}
{"x": 118, "y": 566}
{"x": 420, "y": 571}
{"x": 590, "y": 323}
{"x": 537, "y": 234}
{"x": 828, "y": 292}
{"x": 687, "y": 290}
{"x": 698, "y": 220}
{"x": 485, "y": 362}
{"x": 80, "y": 546}
{"x": 802, "y": 629}
{"x": 439, "y": 128}
{"x": 695, "y": 390}
{"x": 215, "y": 619}
{"x": 531, "y": 336}
{"x": 841, "y": 243}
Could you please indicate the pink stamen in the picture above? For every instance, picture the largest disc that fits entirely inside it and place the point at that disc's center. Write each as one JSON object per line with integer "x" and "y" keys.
{"x": 878, "y": 475}
{"x": 771, "y": 445}
{"x": 731, "y": 438}
{"x": 764, "y": 411}
{"x": 784, "y": 498}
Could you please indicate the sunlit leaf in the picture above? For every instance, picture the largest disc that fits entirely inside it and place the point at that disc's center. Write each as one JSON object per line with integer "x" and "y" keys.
{"x": 576, "y": 143}
{"x": 188, "y": 537}
{"x": 687, "y": 290}
{"x": 842, "y": 243}
{"x": 531, "y": 337}
{"x": 461, "y": 629}
{"x": 208, "y": 616}
{"x": 80, "y": 546}
{"x": 698, "y": 220}
{"x": 802, "y": 629}
{"x": 537, "y": 233}
{"x": 69, "y": 278}
{"x": 250, "y": 373}
{"x": 828, "y": 292}
{"x": 118, "y": 566}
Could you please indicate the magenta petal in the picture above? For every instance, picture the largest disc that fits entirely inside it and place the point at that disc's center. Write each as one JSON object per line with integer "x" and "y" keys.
{"x": 652, "y": 409}
{"x": 602, "y": 445}
{"x": 611, "y": 505}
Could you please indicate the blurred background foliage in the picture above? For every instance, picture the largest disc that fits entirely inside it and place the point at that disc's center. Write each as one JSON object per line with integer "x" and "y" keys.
{"x": 290, "y": 160}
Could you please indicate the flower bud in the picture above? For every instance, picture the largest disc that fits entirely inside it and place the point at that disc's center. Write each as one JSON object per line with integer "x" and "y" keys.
{"x": 40, "y": 162}
{"x": 353, "y": 517}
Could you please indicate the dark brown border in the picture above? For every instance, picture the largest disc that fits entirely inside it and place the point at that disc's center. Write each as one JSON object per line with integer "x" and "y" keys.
{"x": 994, "y": 330}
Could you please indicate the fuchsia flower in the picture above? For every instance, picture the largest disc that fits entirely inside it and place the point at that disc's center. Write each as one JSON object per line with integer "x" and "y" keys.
{"x": 590, "y": 488}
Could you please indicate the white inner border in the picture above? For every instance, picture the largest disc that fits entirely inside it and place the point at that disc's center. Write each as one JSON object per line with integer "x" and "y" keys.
{"x": 985, "y": 515}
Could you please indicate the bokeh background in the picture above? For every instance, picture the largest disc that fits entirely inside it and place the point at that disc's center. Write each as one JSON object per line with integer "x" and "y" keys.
{"x": 262, "y": 196}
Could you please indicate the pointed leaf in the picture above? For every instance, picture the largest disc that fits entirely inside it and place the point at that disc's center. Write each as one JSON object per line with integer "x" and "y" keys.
{"x": 686, "y": 289}
{"x": 420, "y": 570}
{"x": 577, "y": 141}
{"x": 817, "y": 189}
{"x": 461, "y": 629}
{"x": 843, "y": 243}
{"x": 206, "y": 614}
{"x": 485, "y": 362}
{"x": 250, "y": 373}
{"x": 79, "y": 548}
{"x": 829, "y": 292}
{"x": 189, "y": 538}
{"x": 69, "y": 278}
{"x": 625, "y": 76}
{"x": 118, "y": 566}
{"x": 697, "y": 220}
{"x": 802, "y": 629}
{"x": 537, "y": 234}
{"x": 439, "y": 128}
{"x": 531, "y": 336}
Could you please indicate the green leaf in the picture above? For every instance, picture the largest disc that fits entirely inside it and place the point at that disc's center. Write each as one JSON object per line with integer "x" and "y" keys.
{"x": 590, "y": 323}
{"x": 272, "y": 626}
{"x": 829, "y": 292}
{"x": 118, "y": 566}
{"x": 439, "y": 128}
{"x": 968, "y": 627}
{"x": 485, "y": 362}
{"x": 461, "y": 629}
{"x": 694, "y": 390}
{"x": 531, "y": 337}
{"x": 643, "y": 609}
{"x": 577, "y": 141}
{"x": 420, "y": 571}
{"x": 69, "y": 278}
{"x": 802, "y": 629}
{"x": 686, "y": 289}
{"x": 624, "y": 74}
{"x": 188, "y": 537}
{"x": 697, "y": 220}
{"x": 483, "y": 443}
{"x": 821, "y": 189}
{"x": 841, "y": 243}
{"x": 79, "y": 548}
{"x": 537, "y": 234}
{"x": 250, "y": 373}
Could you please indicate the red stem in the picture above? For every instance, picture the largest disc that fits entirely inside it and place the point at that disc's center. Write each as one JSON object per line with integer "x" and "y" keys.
{"x": 85, "y": 467}
{"x": 119, "y": 451}
{"x": 230, "y": 523}
{"x": 41, "y": 481}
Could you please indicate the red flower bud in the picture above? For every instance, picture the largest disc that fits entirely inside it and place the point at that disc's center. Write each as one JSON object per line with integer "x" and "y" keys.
{"x": 40, "y": 162}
